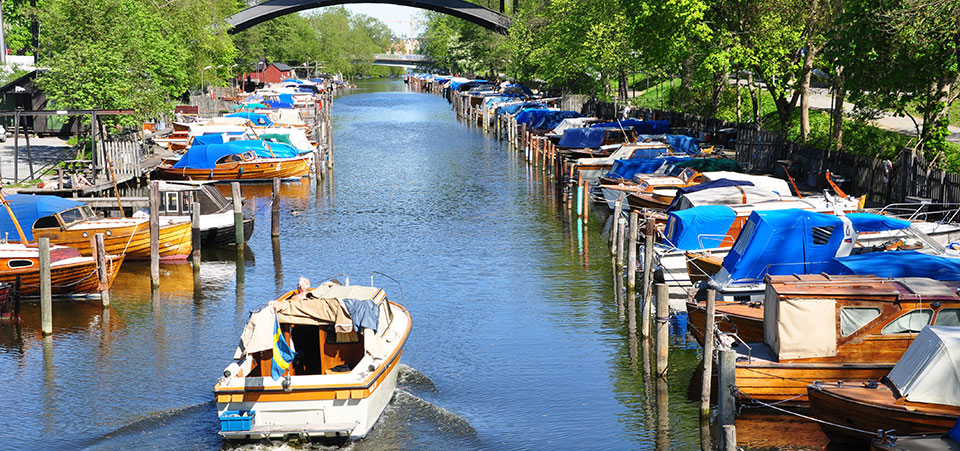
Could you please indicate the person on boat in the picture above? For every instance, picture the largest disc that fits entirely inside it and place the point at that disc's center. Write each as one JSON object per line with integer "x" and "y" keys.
{"x": 302, "y": 287}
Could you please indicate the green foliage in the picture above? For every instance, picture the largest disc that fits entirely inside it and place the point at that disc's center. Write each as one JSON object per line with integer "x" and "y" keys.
{"x": 461, "y": 47}
{"x": 17, "y": 20}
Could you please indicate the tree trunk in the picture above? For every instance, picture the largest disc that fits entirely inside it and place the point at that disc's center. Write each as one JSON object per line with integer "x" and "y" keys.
{"x": 753, "y": 99}
{"x": 739, "y": 101}
{"x": 622, "y": 84}
{"x": 720, "y": 80}
{"x": 840, "y": 93}
{"x": 805, "y": 72}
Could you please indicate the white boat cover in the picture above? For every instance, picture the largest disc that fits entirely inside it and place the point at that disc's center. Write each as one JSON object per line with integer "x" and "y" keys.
{"x": 929, "y": 371}
{"x": 726, "y": 195}
{"x": 227, "y": 121}
{"x": 799, "y": 328}
{"x": 286, "y": 116}
{"x": 773, "y": 184}
{"x": 577, "y": 122}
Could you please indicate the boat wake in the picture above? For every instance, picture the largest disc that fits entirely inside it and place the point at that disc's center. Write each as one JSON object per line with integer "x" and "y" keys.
{"x": 416, "y": 408}
{"x": 157, "y": 423}
{"x": 412, "y": 377}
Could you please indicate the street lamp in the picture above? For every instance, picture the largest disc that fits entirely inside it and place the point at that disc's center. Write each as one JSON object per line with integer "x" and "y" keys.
{"x": 203, "y": 87}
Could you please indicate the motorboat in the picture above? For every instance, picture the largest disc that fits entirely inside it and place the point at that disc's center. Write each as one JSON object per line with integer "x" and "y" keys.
{"x": 248, "y": 160}
{"x": 920, "y": 395}
{"x": 316, "y": 363}
{"x": 216, "y": 211}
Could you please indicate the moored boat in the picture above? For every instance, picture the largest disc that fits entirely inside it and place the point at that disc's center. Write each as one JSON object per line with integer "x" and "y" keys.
{"x": 314, "y": 363}
{"x": 921, "y": 395}
{"x": 216, "y": 211}
{"x": 252, "y": 160}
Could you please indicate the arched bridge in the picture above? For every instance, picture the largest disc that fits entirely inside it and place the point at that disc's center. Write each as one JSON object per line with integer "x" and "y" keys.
{"x": 470, "y": 12}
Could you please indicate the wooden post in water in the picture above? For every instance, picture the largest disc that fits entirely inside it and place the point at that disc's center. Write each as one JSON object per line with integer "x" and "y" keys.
{"x": 708, "y": 344}
{"x": 649, "y": 230}
{"x": 726, "y": 384}
{"x": 632, "y": 274}
{"x": 586, "y": 200}
{"x": 103, "y": 271}
{"x": 195, "y": 233}
{"x": 46, "y": 296}
{"x": 663, "y": 328}
{"x": 275, "y": 209}
{"x": 237, "y": 213}
{"x": 729, "y": 437}
{"x": 154, "y": 234}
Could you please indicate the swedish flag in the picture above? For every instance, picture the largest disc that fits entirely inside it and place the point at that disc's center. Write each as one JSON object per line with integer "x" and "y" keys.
{"x": 282, "y": 354}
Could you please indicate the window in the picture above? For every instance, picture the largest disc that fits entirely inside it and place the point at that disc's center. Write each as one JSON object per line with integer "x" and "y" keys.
{"x": 671, "y": 228}
{"x": 854, "y": 318}
{"x": 745, "y": 234}
{"x": 71, "y": 216}
{"x": 229, "y": 159}
{"x": 47, "y": 222}
{"x": 821, "y": 235}
{"x": 186, "y": 202}
{"x": 171, "y": 202}
{"x": 19, "y": 263}
{"x": 910, "y": 322}
{"x": 948, "y": 317}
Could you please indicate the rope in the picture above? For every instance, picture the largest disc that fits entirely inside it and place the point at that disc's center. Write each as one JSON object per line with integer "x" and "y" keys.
{"x": 807, "y": 417}
{"x": 131, "y": 238}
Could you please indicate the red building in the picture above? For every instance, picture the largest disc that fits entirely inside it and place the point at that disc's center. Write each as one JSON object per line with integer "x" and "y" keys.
{"x": 274, "y": 73}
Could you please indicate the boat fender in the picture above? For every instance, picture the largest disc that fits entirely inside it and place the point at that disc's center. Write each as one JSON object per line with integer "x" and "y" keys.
{"x": 231, "y": 369}
{"x": 286, "y": 383}
{"x": 241, "y": 170}
{"x": 211, "y": 173}
{"x": 954, "y": 245}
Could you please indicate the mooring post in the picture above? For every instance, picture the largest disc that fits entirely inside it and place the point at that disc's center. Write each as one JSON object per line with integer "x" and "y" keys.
{"x": 46, "y": 296}
{"x": 632, "y": 274}
{"x": 646, "y": 312}
{"x": 103, "y": 270}
{"x": 579, "y": 198}
{"x": 708, "y": 345}
{"x": 726, "y": 386}
{"x": 154, "y": 234}
{"x": 586, "y": 200}
{"x": 195, "y": 233}
{"x": 275, "y": 209}
{"x": 729, "y": 435}
{"x": 237, "y": 213}
{"x": 663, "y": 328}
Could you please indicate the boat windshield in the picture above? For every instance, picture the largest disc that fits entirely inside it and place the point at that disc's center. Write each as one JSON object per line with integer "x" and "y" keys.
{"x": 88, "y": 212}
{"x": 71, "y": 216}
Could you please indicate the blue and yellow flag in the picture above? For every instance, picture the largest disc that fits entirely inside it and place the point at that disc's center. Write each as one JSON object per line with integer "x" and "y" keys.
{"x": 282, "y": 354}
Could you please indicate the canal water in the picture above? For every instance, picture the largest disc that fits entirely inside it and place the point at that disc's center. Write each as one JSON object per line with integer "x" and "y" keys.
{"x": 517, "y": 340}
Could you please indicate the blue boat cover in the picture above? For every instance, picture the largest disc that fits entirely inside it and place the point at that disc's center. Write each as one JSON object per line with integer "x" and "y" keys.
{"x": 278, "y": 104}
{"x": 255, "y": 118}
{"x": 500, "y": 98}
{"x": 544, "y": 119}
{"x": 523, "y": 88}
{"x": 780, "y": 242}
{"x": 869, "y": 222}
{"x": 580, "y": 138}
{"x": 680, "y": 143}
{"x": 364, "y": 313}
{"x": 627, "y": 169}
{"x": 899, "y": 264}
{"x": 253, "y": 106}
{"x": 28, "y": 208}
{"x": 719, "y": 183}
{"x": 684, "y": 228}
{"x": 205, "y": 157}
{"x": 514, "y": 109}
{"x": 287, "y": 98}
{"x": 642, "y": 127}
{"x": 292, "y": 80}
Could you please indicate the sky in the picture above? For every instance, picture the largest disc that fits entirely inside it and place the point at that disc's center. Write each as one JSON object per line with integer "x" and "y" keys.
{"x": 394, "y": 16}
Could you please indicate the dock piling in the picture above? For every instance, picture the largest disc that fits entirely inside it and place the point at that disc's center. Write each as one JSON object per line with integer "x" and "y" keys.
{"x": 275, "y": 209}
{"x": 632, "y": 275}
{"x": 729, "y": 436}
{"x": 708, "y": 341}
{"x": 46, "y": 299}
{"x": 195, "y": 234}
{"x": 154, "y": 234}
{"x": 103, "y": 272}
{"x": 663, "y": 328}
{"x": 237, "y": 213}
{"x": 726, "y": 384}
{"x": 649, "y": 230}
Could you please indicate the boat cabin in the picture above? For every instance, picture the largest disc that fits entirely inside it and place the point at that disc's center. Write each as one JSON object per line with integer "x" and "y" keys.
{"x": 177, "y": 198}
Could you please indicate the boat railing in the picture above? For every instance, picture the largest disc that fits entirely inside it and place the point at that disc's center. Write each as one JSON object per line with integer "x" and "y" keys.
{"x": 923, "y": 211}
{"x": 403, "y": 298}
{"x": 716, "y": 236}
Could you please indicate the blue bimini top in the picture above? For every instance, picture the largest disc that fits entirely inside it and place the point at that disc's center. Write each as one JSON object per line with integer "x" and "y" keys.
{"x": 580, "y": 138}
{"x": 628, "y": 169}
{"x": 898, "y": 264}
{"x": 699, "y": 227}
{"x": 259, "y": 120}
{"x": 28, "y": 208}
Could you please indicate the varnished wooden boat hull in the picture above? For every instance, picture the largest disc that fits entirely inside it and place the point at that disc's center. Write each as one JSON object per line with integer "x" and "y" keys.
{"x": 746, "y": 321}
{"x": 876, "y": 409}
{"x": 787, "y": 382}
{"x": 175, "y": 240}
{"x": 72, "y": 279}
{"x": 243, "y": 171}
{"x": 701, "y": 267}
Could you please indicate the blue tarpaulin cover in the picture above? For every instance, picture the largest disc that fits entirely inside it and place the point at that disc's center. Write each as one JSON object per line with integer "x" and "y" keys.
{"x": 522, "y": 88}
{"x": 580, "y": 138}
{"x": 28, "y": 208}
{"x": 680, "y": 143}
{"x": 781, "y": 242}
{"x": 205, "y": 157}
{"x": 364, "y": 313}
{"x": 899, "y": 264}
{"x": 627, "y": 169}
{"x": 719, "y": 183}
{"x": 490, "y": 101}
{"x": 514, "y": 109}
{"x": 286, "y": 98}
{"x": 642, "y": 127}
{"x": 684, "y": 228}
{"x": 278, "y": 104}
{"x": 257, "y": 119}
{"x": 544, "y": 119}
{"x": 869, "y": 222}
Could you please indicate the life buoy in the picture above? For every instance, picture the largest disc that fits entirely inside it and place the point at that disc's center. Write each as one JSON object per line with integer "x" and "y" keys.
{"x": 887, "y": 170}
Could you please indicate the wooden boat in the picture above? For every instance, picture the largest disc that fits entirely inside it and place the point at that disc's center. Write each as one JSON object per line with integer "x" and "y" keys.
{"x": 829, "y": 328}
{"x": 921, "y": 395}
{"x": 216, "y": 212}
{"x": 70, "y": 223}
{"x": 71, "y": 274}
{"x": 233, "y": 161}
{"x": 341, "y": 379}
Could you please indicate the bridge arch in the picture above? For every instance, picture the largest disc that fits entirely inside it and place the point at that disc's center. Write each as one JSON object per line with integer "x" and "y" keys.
{"x": 470, "y": 12}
